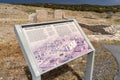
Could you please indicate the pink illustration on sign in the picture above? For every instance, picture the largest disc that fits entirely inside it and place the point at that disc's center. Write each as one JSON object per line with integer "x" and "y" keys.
{"x": 53, "y": 53}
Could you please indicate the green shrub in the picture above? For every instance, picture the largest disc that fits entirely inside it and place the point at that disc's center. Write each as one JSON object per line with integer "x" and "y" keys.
{"x": 84, "y": 7}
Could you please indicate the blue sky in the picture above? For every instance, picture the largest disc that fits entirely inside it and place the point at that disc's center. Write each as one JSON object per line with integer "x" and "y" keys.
{"x": 99, "y": 2}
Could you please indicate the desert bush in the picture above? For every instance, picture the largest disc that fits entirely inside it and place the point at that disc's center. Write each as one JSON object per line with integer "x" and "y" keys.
{"x": 83, "y": 7}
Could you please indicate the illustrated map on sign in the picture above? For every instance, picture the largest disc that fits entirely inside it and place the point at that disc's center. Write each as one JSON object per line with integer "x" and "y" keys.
{"x": 55, "y": 44}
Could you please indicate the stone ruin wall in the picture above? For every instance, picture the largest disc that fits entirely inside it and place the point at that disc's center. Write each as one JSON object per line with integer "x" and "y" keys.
{"x": 113, "y": 29}
{"x": 45, "y": 15}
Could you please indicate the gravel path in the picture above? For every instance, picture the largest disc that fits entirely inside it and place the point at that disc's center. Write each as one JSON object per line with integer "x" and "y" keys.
{"x": 115, "y": 50}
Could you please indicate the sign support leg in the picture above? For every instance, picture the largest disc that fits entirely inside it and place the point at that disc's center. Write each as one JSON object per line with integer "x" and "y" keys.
{"x": 89, "y": 67}
{"x": 36, "y": 78}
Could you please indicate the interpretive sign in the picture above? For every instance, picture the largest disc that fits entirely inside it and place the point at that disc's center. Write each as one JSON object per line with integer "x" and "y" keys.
{"x": 49, "y": 45}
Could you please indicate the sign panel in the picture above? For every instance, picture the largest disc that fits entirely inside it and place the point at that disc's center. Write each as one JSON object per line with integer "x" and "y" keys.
{"x": 54, "y": 44}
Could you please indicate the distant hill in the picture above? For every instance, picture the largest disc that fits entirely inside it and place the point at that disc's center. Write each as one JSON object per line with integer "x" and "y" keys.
{"x": 82, "y": 7}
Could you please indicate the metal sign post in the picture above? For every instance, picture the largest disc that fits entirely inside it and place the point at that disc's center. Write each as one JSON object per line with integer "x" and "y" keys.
{"x": 51, "y": 44}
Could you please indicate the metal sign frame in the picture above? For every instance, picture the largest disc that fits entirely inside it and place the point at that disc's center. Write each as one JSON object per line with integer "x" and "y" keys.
{"x": 28, "y": 54}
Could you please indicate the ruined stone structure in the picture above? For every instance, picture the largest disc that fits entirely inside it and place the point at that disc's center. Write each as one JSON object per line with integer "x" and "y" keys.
{"x": 33, "y": 17}
{"x": 45, "y": 15}
{"x": 58, "y": 14}
{"x": 42, "y": 14}
{"x": 111, "y": 29}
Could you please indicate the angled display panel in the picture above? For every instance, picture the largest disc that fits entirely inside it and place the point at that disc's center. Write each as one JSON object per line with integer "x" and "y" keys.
{"x": 54, "y": 43}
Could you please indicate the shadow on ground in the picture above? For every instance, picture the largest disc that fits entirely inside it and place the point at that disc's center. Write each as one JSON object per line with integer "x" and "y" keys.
{"x": 54, "y": 73}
